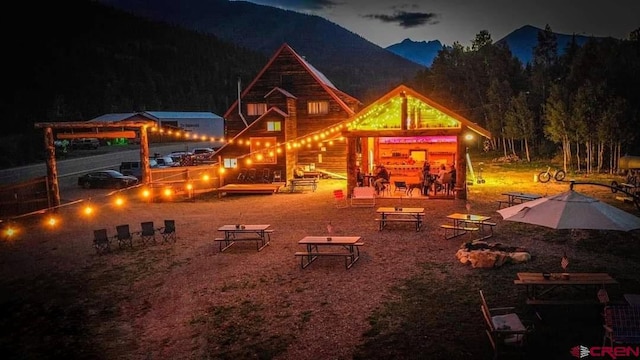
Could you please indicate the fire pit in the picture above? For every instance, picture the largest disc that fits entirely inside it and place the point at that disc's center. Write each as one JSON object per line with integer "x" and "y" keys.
{"x": 481, "y": 254}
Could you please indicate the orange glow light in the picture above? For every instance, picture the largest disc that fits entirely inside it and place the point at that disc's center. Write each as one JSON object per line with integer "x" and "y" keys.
{"x": 167, "y": 192}
{"x": 88, "y": 210}
{"x": 119, "y": 201}
{"x": 205, "y": 177}
{"x": 52, "y": 221}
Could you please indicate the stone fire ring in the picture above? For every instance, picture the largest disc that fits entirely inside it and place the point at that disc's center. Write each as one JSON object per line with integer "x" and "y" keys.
{"x": 481, "y": 254}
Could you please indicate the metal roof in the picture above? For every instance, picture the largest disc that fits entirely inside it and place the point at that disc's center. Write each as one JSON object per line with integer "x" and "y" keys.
{"x": 183, "y": 115}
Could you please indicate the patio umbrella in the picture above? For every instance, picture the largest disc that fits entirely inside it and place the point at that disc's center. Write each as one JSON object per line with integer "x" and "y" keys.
{"x": 571, "y": 210}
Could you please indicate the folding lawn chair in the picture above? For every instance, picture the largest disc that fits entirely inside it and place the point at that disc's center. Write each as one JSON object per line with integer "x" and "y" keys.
{"x": 168, "y": 231}
{"x": 123, "y": 235}
{"x": 148, "y": 232}
{"x": 101, "y": 241}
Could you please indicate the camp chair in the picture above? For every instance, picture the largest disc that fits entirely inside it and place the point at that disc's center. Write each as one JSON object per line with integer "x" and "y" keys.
{"x": 242, "y": 175}
{"x": 340, "y": 199}
{"x": 251, "y": 175}
{"x": 363, "y": 196}
{"x": 277, "y": 176}
{"x": 101, "y": 241}
{"x": 123, "y": 235}
{"x": 505, "y": 328}
{"x": 266, "y": 176}
{"x": 168, "y": 231}
{"x": 148, "y": 232}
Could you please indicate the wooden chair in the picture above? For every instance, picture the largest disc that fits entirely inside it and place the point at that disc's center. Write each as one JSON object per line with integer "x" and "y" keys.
{"x": 168, "y": 231}
{"x": 147, "y": 232}
{"x": 123, "y": 235}
{"x": 101, "y": 241}
{"x": 363, "y": 196}
{"x": 505, "y": 329}
{"x": 340, "y": 199}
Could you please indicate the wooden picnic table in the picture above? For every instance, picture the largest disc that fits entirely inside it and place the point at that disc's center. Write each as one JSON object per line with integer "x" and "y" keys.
{"x": 542, "y": 290}
{"x": 345, "y": 246}
{"x": 400, "y": 214}
{"x": 464, "y": 223}
{"x": 515, "y": 198}
{"x": 260, "y": 233}
{"x": 303, "y": 182}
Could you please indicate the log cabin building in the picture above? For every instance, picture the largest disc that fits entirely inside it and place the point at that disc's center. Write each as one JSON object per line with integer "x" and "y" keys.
{"x": 291, "y": 115}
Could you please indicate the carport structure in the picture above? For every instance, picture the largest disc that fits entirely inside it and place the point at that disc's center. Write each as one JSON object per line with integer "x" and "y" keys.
{"x": 117, "y": 129}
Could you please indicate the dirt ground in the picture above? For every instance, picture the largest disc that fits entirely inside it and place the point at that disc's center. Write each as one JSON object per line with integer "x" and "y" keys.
{"x": 188, "y": 300}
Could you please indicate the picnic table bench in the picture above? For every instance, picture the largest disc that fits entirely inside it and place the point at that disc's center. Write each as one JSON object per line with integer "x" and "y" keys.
{"x": 261, "y": 234}
{"x": 303, "y": 182}
{"x": 345, "y": 246}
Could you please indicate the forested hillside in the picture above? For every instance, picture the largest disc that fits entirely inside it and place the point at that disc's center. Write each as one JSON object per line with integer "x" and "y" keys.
{"x": 75, "y": 60}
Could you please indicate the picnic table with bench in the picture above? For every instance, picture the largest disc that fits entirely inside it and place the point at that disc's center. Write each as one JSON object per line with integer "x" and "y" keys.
{"x": 466, "y": 223}
{"x": 303, "y": 182}
{"x": 400, "y": 214}
{"x": 515, "y": 198}
{"x": 541, "y": 288}
{"x": 261, "y": 234}
{"x": 345, "y": 246}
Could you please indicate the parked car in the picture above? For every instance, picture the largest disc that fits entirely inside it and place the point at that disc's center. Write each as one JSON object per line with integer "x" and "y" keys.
{"x": 106, "y": 179}
{"x": 165, "y": 161}
{"x": 85, "y": 144}
{"x": 134, "y": 168}
{"x": 198, "y": 151}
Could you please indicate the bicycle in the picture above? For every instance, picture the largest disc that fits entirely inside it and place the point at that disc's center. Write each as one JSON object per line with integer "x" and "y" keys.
{"x": 545, "y": 176}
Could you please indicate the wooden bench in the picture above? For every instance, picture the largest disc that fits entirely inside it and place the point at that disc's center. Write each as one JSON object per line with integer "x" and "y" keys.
{"x": 294, "y": 183}
{"x": 349, "y": 258}
{"x": 382, "y": 222}
{"x": 504, "y": 202}
{"x": 456, "y": 230}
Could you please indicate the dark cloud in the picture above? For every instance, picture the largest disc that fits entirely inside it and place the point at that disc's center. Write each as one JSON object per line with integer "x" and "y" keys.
{"x": 406, "y": 19}
{"x": 299, "y": 4}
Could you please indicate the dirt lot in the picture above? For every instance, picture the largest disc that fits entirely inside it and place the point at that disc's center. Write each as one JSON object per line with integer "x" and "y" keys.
{"x": 407, "y": 297}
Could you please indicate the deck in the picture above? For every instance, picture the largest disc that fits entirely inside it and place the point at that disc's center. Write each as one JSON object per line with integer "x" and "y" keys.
{"x": 249, "y": 189}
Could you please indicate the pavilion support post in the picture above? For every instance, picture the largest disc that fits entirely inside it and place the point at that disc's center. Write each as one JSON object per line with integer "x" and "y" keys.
{"x": 404, "y": 111}
{"x": 351, "y": 164}
{"x": 52, "y": 169}
{"x": 220, "y": 175}
{"x": 144, "y": 156}
{"x": 461, "y": 166}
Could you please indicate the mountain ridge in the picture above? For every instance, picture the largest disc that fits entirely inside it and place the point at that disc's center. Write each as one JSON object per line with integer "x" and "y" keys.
{"x": 521, "y": 42}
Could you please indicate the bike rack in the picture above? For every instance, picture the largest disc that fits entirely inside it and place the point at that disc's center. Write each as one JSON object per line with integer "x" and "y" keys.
{"x": 615, "y": 187}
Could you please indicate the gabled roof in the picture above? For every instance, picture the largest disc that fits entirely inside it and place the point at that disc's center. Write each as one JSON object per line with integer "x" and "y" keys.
{"x": 392, "y": 95}
{"x": 119, "y": 117}
{"x": 183, "y": 115}
{"x": 269, "y": 111}
{"x": 280, "y": 90}
{"x": 315, "y": 73}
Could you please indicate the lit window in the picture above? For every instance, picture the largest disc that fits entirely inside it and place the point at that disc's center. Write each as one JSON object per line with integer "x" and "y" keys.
{"x": 274, "y": 126}
{"x": 230, "y": 163}
{"x": 256, "y": 109}
{"x": 317, "y": 107}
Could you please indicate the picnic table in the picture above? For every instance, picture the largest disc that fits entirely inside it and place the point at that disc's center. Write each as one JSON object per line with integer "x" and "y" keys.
{"x": 542, "y": 288}
{"x": 515, "y": 198}
{"x": 400, "y": 214}
{"x": 345, "y": 246}
{"x": 467, "y": 223}
{"x": 259, "y": 233}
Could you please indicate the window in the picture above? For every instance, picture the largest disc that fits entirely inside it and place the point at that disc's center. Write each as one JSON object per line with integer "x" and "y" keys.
{"x": 263, "y": 150}
{"x": 274, "y": 126}
{"x": 256, "y": 109}
{"x": 230, "y": 163}
{"x": 318, "y": 107}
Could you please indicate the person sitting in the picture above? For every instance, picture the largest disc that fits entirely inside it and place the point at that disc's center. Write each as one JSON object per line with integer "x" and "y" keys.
{"x": 359, "y": 177}
{"x": 382, "y": 177}
{"x": 298, "y": 173}
{"x": 439, "y": 183}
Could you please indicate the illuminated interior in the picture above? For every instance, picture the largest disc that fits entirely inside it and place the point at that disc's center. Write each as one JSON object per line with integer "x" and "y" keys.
{"x": 419, "y": 116}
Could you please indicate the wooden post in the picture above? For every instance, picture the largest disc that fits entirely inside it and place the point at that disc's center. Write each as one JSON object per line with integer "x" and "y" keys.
{"x": 52, "y": 169}
{"x": 144, "y": 156}
{"x": 351, "y": 165}
{"x": 403, "y": 111}
{"x": 220, "y": 175}
{"x": 461, "y": 165}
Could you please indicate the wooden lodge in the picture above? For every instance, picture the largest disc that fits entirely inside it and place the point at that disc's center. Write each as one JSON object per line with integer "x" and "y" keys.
{"x": 291, "y": 115}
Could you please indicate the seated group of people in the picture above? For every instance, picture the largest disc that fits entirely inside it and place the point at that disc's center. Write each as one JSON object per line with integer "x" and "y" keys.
{"x": 429, "y": 181}
{"x": 437, "y": 182}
